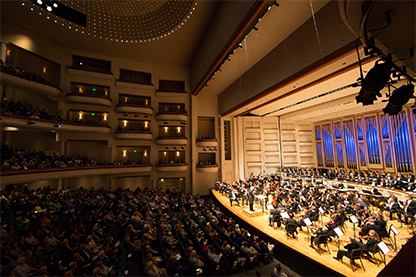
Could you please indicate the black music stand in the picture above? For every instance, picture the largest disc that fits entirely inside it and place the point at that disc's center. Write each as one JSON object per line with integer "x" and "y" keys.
{"x": 354, "y": 220}
{"x": 395, "y": 233}
{"x": 308, "y": 223}
{"x": 401, "y": 215}
{"x": 339, "y": 234}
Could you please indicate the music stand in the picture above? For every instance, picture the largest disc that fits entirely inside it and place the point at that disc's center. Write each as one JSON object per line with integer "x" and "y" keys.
{"x": 308, "y": 223}
{"x": 402, "y": 215}
{"x": 322, "y": 215}
{"x": 285, "y": 215}
{"x": 384, "y": 248}
{"x": 354, "y": 220}
{"x": 395, "y": 232}
{"x": 339, "y": 234}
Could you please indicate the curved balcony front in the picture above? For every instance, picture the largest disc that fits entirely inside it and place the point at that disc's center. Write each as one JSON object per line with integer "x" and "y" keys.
{"x": 15, "y": 121}
{"x": 17, "y": 81}
{"x": 171, "y": 140}
{"x": 131, "y": 108}
{"x": 172, "y": 116}
{"x": 88, "y": 99}
{"x": 207, "y": 142}
{"x": 142, "y": 135}
{"x": 172, "y": 167}
{"x": 207, "y": 167}
{"x": 30, "y": 175}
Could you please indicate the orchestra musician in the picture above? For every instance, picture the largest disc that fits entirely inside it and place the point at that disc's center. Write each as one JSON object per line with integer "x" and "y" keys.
{"x": 233, "y": 197}
{"x": 353, "y": 244}
{"x": 251, "y": 198}
{"x": 275, "y": 216}
{"x": 393, "y": 206}
{"x": 410, "y": 208}
{"x": 372, "y": 240}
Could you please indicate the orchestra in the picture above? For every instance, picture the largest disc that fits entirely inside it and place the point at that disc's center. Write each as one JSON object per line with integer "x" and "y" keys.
{"x": 307, "y": 193}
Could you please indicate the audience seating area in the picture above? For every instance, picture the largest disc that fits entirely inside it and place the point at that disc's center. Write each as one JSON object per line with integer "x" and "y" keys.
{"x": 89, "y": 232}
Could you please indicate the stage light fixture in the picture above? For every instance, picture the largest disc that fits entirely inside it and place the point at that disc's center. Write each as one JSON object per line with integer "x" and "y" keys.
{"x": 399, "y": 98}
{"x": 57, "y": 125}
{"x": 375, "y": 81}
{"x": 29, "y": 122}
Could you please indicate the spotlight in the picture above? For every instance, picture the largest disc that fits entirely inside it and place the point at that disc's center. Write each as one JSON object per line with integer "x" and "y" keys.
{"x": 49, "y": 8}
{"x": 276, "y": 4}
{"x": 146, "y": 116}
{"x": 184, "y": 148}
{"x": 175, "y": 148}
{"x": 399, "y": 98}
{"x": 167, "y": 148}
{"x": 40, "y": 2}
{"x": 255, "y": 28}
{"x": 375, "y": 80}
{"x": 204, "y": 149}
{"x": 165, "y": 122}
{"x": 125, "y": 114}
{"x": 183, "y": 122}
{"x": 136, "y": 115}
{"x": 57, "y": 125}
{"x": 29, "y": 122}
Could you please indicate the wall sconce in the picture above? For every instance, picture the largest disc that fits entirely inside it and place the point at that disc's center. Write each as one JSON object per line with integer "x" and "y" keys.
{"x": 8, "y": 52}
{"x": 179, "y": 129}
{"x": 124, "y": 153}
{"x": 145, "y": 153}
{"x": 166, "y": 129}
{"x": 162, "y": 180}
{"x": 146, "y": 124}
{"x": 177, "y": 153}
{"x": 146, "y": 102}
{"x": 80, "y": 115}
{"x": 125, "y": 123}
{"x": 106, "y": 92}
{"x": 105, "y": 116}
{"x": 164, "y": 153}
{"x": 80, "y": 90}
{"x": 180, "y": 179}
{"x": 125, "y": 99}
{"x": 179, "y": 107}
{"x": 44, "y": 69}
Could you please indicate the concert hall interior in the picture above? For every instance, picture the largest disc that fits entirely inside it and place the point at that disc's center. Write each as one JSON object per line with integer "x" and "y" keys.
{"x": 205, "y": 137}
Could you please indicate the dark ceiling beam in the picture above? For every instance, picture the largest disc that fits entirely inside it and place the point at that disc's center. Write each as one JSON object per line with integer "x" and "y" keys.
{"x": 255, "y": 11}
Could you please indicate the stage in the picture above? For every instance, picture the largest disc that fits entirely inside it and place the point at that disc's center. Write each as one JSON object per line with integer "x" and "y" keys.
{"x": 297, "y": 254}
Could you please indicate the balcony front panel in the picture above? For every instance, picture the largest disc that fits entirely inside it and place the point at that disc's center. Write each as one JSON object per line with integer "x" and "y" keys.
{"x": 90, "y": 74}
{"x": 171, "y": 94}
{"x": 171, "y": 140}
{"x": 171, "y": 116}
{"x": 41, "y": 124}
{"x": 141, "y": 87}
{"x": 28, "y": 85}
{"x": 88, "y": 99}
{"x": 206, "y": 142}
{"x": 25, "y": 176}
{"x": 138, "y": 109}
{"x": 142, "y": 135}
{"x": 172, "y": 167}
{"x": 207, "y": 167}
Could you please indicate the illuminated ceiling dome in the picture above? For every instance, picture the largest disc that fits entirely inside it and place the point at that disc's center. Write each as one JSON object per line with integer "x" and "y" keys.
{"x": 130, "y": 20}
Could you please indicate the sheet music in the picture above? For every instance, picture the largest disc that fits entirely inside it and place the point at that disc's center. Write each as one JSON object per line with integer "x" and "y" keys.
{"x": 395, "y": 231}
{"x": 270, "y": 207}
{"x": 321, "y": 210}
{"x": 384, "y": 248}
{"x": 338, "y": 231}
{"x": 307, "y": 221}
{"x": 353, "y": 219}
{"x": 284, "y": 215}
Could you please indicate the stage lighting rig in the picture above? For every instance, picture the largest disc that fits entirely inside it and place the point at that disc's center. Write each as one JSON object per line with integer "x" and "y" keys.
{"x": 375, "y": 81}
{"x": 399, "y": 98}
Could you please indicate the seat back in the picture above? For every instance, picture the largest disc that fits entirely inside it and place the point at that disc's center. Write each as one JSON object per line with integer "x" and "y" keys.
{"x": 322, "y": 239}
{"x": 356, "y": 254}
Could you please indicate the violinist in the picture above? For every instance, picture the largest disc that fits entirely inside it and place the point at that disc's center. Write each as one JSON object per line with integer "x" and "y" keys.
{"x": 353, "y": 244}
{"x": 336, "y": 219}
{"x": 372, "y": 240}
{"x": 312, "y": 214}
{"x": 410, "y": 208}
{"x": 366, "y": 215}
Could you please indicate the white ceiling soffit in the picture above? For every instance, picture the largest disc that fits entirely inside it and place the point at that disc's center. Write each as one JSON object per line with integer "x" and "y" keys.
{"x": 275, "y": 26}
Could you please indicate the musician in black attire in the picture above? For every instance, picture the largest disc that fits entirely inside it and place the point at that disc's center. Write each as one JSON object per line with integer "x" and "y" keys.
{"x": 275, "y": 216}
{"x": 251, "y": 198}
{"x": 233, "y": 197}
{"x": 351, "y": 246}
{"x": 317, "y": 233}
{"x": 410, "y": 208}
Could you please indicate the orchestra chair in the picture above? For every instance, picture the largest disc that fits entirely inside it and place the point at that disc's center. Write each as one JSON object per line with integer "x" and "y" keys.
{"x": 372, "y": 255}
{"x": 355, "y": 255}
{"x": 291, "y": 229}
{"x": 323, "y": 239}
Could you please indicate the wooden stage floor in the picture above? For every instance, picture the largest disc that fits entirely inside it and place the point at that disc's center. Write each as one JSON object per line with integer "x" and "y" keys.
{"x": 301, "y": 245}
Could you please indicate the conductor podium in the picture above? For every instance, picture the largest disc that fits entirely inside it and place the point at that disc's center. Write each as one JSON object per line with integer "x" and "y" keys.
{"x": 258, "y": 208}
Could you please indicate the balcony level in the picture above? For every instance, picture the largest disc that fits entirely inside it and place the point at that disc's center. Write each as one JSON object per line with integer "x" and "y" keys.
{"x": 141, "y": 135}
{"x": 18, "y": 81}
{"x": 166, "y": 140}
{"x": 169, "y": 167}
{"x": 14, "y": 122}
{"x": 207, "y": 142}
{"x": 172, "y": 116}
{"x": 207, "y": 168}
{"x": 102, "y": 100}
{"x": 133, "y": 108}
{"x": 25, "y": 176}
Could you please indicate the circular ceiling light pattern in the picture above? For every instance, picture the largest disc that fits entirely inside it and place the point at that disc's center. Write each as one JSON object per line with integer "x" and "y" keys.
{"x": 128, "y": 20}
